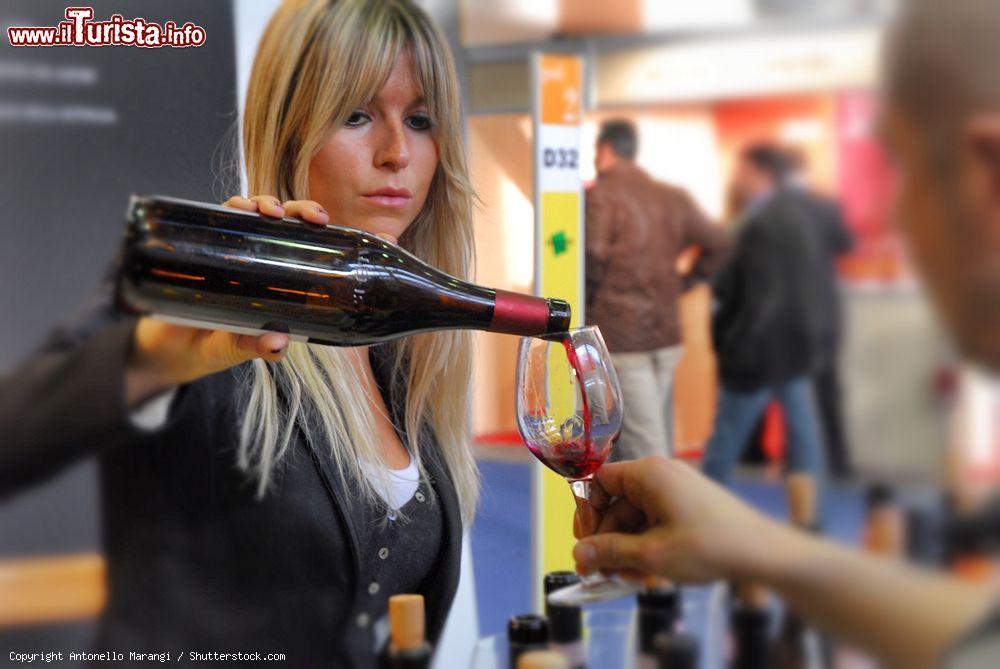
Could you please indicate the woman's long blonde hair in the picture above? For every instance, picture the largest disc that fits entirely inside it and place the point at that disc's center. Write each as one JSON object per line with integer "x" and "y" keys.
{"x": 318, "y": 61}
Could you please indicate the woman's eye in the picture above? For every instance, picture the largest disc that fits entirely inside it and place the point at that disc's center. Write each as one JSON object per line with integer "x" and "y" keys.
{"x": 356, "y": 118}
{"x": 419, "y": 122}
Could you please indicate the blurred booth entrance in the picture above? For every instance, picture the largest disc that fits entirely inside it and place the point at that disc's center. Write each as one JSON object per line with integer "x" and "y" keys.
{"x": 696, "y": 103}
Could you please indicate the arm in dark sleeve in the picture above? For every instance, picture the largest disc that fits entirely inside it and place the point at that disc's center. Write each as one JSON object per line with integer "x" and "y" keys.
{"x": 713, "y": 241}
{"x": 68, "y": 398}
{"x": 61, "y": 404}
{"x": 600, "y": 233}
{"x": 746, "y": 292}
{"x": 839, "y": 235}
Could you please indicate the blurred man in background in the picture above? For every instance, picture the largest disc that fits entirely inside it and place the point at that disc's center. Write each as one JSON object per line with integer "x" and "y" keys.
{"x": 636, "y": 230}
{"x": 772, "y": 318}
{"x": 836, "y": 240}
{"x": 942, "y": 123}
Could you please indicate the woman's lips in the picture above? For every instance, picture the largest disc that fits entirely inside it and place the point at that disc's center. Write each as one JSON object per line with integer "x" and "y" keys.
{"x": 389, "y": 197}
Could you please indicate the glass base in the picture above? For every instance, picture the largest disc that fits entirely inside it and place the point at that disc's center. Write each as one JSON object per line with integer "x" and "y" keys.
{"x": 594, "y": 588}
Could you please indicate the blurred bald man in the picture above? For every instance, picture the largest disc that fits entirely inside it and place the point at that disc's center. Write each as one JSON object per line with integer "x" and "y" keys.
{"x": 942, "y": 124}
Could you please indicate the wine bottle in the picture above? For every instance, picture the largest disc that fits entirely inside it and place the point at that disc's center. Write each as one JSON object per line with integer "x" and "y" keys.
{"x": 220, "y": 268}
{"x": 885, "y": 524}
{"x": 659, "y": 609}
{"x": 675, "y": 650}
{"x": 565, "y": 622}
{"x": 408, "y": 649}
{"x": 751, "y": 628}
{"x": 526, "y": 633}
{"x": 972, "y": 540}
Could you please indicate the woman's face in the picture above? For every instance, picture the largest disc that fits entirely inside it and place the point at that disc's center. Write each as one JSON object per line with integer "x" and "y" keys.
{"x": 373, "y": 173}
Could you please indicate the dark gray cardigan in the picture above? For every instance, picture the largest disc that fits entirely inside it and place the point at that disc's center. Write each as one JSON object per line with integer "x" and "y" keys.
{"x": 195, "y": 561}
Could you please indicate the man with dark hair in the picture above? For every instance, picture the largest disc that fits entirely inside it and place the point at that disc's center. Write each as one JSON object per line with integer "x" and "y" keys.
{"x": 636, "y": 230}
{"x": 771, "y": 319}
{"x": 942, "y": 124}
{"x": 620, "y": 138}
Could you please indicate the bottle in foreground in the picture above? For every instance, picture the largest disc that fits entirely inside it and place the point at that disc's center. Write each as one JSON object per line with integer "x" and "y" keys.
{"x": 658, "y": 612}
{"x": 676, "y": 650}
{"x": 408, "y": 648}
{"x": 215, "y": 267}
{"x": 565, "y": 621}
{"x": 750, "y": 620}
{"x": 526, "y": 633}
{"x": 885, "y": 523}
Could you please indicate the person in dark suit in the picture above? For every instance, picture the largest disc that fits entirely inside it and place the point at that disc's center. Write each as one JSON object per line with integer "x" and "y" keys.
{"x": 260, "y": 495}
{"x": 836, "y": 240}
{"x": 770, "y": 319}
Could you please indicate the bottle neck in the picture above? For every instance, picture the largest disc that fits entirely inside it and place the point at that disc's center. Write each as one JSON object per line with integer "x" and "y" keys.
{"x": 518, "y": 314}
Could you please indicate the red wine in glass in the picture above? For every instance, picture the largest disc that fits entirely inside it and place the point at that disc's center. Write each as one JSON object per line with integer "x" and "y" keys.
{"x": 571, "y": 460}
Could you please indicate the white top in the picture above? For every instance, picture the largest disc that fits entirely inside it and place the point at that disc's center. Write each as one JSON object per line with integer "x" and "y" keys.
{"x": 398, "y": 486}
{"x": 152, "y": 413}
{"x": 396, "y": 490}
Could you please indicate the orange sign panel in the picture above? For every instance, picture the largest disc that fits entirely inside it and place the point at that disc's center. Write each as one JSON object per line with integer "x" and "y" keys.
{"x": 561, "y": 84}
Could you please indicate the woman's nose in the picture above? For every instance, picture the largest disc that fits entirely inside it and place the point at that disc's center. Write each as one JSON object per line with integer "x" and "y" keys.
{"x": 393, "y": 151}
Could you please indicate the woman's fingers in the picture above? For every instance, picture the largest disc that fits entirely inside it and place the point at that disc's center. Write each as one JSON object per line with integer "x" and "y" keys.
{"x": 240, "y": 202}
{"x": 269, "y": 346}
{"x": 272, "y": 346}
{"x": 269, "y": 205}
{"x": 307, "y": 210}
{"x": 220, "y": 350}
{"x": 265, "y": 204}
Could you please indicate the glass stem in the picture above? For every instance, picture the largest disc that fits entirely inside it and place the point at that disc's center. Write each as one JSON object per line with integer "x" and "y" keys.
{"x": 588, "y": 522}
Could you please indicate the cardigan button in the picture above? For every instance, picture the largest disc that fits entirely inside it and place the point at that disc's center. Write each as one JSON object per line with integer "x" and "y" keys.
{"x": 383, "y": 553}
{"x": 373, "y": 588}
{"x": 419, "y": 496}
{"x": 363, "y": 620}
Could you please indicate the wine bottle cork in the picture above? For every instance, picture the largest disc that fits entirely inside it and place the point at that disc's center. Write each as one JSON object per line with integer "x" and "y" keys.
{"x": 406, "y": 621}
{"x": 751, "y": 593}
{"x": 885, "y": 533}
{"x": 801, "y": 490}
{"x": 656, "y": 583}
{"x": 542, "y": 659}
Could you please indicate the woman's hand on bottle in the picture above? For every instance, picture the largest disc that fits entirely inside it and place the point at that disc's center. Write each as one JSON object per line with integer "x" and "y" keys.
{"x": 662, "y": 517}
{"x": 164, "y": 354}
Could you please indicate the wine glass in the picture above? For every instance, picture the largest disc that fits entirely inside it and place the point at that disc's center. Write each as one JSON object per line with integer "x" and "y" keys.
{"x": 569, "y": 412}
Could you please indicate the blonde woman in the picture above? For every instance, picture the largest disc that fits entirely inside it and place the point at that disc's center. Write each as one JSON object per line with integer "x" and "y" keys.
{"x": 262, "y": 495}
